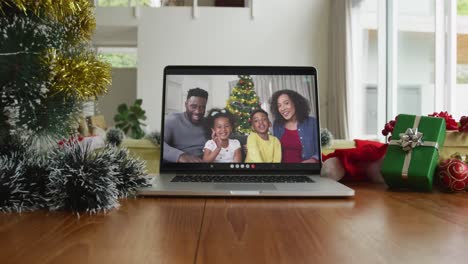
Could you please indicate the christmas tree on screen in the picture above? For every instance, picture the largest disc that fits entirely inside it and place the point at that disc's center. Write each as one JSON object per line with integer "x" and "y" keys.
{"x": 242, "y": 101}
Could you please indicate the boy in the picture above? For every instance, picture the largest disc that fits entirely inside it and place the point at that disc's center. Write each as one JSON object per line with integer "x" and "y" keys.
{"x": 262, "y": 147}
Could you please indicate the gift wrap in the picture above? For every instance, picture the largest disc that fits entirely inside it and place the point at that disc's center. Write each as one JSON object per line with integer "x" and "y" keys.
{"x": 455, "y": 142}
{"x": 413, "y": 152}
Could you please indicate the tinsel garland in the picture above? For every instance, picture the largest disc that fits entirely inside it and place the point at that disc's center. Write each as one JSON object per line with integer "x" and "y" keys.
{"x": 154, "y": 137}
{"x": 72, "y": 178}
{"x": 22, "y": 182}
{"x": 77, "y": 14}
{"x": 129, "y": 171}
{"x": 81, "y": 180}
{"x": 47, "y": 70}
{"x": 79, "y": 73}
{"x": 114, "y": 136}
{"x": 4, "y": 128}
{"x": 326, "y": 137}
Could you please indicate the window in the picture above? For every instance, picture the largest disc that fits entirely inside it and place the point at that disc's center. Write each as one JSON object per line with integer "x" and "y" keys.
{"x": 414, "y": 58}
{"x": 119, "y": 57}
{"x": 368, "y": 91}
{"x": 460, "y": 105}
{"x": 421, "y": 68}
{"x": 117, "y": 3}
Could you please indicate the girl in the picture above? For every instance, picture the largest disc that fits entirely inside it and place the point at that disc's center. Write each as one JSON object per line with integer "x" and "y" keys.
{"x": 220, "y": 148}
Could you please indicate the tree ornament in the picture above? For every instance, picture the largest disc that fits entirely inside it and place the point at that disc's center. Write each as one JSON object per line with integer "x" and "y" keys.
{"x": 453, "y": 175}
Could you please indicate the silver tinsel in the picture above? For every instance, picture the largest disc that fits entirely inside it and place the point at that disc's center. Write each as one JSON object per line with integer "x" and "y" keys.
{"x": 114, "y": 136}
{"x": 326, "y": 137}
{"x": 130, "y": 172}
{"x": 154, "y": 137}
{"x": 82, "y": 180}
{"x": 22, "y": 182}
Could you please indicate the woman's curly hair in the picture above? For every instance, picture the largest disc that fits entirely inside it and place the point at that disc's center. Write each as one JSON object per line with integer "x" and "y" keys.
{"x": 300, "y": 103}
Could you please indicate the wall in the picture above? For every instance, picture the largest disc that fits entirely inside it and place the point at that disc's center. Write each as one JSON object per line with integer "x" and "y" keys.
{"x": 121, "y": 91}
{"x": 288, "y": 33}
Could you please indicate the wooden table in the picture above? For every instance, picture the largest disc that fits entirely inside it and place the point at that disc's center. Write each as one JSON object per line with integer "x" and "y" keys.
{"x": 376, "y": 226}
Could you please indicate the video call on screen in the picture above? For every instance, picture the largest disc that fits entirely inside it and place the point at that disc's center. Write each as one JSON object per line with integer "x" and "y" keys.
{"x": 240, "y": 119}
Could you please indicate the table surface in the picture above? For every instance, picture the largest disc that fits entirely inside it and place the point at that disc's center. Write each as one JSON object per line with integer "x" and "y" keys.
{"x": 376, "y": 226}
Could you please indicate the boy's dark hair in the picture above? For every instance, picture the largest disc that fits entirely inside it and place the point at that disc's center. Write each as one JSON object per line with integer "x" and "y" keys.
{"x": 198, "y": 92}
{"x": 300, "y": 103}
{"x": 216, "y": 113}
{"x": 257, "y": 110}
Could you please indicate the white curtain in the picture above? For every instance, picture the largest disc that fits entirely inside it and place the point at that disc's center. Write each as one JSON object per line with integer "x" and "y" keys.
{"x": 340, "y": 68}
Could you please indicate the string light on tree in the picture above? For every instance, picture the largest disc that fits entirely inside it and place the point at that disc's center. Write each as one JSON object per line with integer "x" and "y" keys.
{"x": 242, "y": 101}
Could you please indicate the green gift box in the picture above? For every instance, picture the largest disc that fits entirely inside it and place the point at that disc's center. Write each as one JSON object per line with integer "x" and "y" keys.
{"x": 413, "y": 152}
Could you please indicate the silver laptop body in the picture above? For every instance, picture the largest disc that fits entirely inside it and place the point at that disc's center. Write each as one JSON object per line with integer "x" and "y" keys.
{"x": 224, "y": 86}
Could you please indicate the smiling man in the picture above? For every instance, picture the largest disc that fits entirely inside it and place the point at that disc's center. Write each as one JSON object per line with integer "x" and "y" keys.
{"x": 184, "y": 136}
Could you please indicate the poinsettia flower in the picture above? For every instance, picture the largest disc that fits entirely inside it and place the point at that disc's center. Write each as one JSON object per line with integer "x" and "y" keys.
{"x": 450, "y": 123}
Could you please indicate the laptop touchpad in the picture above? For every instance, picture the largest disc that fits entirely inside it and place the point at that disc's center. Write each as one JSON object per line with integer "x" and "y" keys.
{"x": 245, "y": 187}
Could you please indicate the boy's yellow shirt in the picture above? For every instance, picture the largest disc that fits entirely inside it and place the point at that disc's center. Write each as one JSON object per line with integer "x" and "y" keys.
{"x": 260, "y": 150}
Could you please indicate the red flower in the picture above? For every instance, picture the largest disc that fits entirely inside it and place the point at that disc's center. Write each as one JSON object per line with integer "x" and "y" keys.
{"x": 450, "y": 123}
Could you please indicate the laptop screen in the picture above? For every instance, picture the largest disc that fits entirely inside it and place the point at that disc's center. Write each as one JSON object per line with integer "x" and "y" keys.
{"x": 233, "y": 118}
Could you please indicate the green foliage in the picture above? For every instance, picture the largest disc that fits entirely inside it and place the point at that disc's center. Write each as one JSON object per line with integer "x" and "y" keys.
{"x": 120, "y": 60}
{"x": 128, "y": 119}
{"x": 462, "y": 7}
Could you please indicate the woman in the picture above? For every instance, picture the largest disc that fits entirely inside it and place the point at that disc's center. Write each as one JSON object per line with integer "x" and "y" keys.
{"x": 294, "y": 127}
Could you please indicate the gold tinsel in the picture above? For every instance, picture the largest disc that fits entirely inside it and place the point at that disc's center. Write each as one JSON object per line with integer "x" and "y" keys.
{"x": 81, "y": 76}
{"x": 76, "y": 14}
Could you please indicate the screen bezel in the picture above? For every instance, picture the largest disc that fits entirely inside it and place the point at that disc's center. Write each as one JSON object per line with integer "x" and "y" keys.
{"x": 225, "y": 168}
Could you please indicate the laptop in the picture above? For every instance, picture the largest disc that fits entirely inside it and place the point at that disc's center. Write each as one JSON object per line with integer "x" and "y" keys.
{"x": 241, "y": 131}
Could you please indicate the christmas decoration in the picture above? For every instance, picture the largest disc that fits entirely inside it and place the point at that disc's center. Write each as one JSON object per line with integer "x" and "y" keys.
{"x": 129, "y": 171}
{"x": 453, "y": 175}
{"x": 413, "y": 152}
{"x": 242, "y": 100}
{"x": 22, "y": 182}
{"x": 326, "y": 137}
{"x": 48, "y": 69}
{"x": 47, "y": 66}
{"x": 388, "y": 128}
{"x": 114, "y": 136}
{"x": 81, "y": 180}
{"x": 463, "y": 124}
{"x": 355, "y": 164}
{"x": 154, "y": 137}
{"x": 450, "y": 123}
{"x": 78, "y": 74}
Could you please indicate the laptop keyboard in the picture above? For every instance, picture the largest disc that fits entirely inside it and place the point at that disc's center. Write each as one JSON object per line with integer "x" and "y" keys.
{"x": 242, "y": 178}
